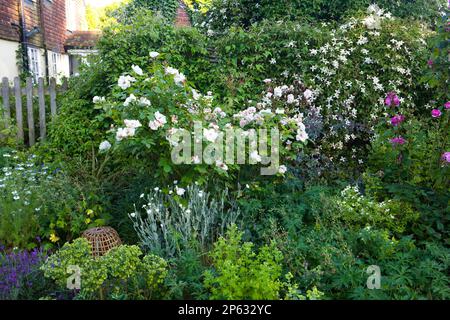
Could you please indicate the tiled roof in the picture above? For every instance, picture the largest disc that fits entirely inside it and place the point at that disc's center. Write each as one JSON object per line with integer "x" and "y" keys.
{"x": 82, "y": 39}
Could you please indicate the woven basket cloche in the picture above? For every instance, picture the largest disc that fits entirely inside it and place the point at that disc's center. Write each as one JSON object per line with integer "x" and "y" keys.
{"x": 102, "y": 239}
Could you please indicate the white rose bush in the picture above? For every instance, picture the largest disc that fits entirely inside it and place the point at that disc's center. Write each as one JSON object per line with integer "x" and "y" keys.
{"x": 151, "y": 103}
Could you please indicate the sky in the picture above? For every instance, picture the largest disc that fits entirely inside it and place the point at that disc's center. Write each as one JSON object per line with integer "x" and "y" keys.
{"x": 101, "y": 3}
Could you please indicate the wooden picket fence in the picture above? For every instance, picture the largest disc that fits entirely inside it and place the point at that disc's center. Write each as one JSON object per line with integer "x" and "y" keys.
{"x": 30, "y": 91}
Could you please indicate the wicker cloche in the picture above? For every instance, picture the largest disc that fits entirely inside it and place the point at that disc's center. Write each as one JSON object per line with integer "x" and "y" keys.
{"x": 102, "y": 239}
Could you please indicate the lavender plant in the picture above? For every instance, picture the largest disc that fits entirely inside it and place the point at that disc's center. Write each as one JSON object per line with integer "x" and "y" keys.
{"x": 20, "y": 277}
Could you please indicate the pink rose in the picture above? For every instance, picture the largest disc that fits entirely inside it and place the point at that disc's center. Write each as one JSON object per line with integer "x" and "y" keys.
{"x": 447, "y": 105}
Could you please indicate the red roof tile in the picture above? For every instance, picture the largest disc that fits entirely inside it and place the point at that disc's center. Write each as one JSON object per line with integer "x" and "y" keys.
{"x": 82, "y": 39}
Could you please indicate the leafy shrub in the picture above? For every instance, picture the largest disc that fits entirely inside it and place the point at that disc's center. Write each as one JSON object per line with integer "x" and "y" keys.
{"x": 419, "y": 159}
{"x": 160, "y": 110}
{"x": 325, "y": 247}
{"x": 360, "y": 211}
{"x": 75, "y": 133}
{"x": 240, "y": 273}
{"x": 223, "y": 14}
{"x": 185, "y": 279}
{"x": 356, "y": 69}
{"x": 38, "y": 200}
{"x": 105, "y": 277}
{"x": 350, "y": 68}
{"x": 244, "y": 58}
{"x": 167, "y": 8}
{"x": 175, "y": 221}
{"x": 123, "y": 45}
{"x": 437, "y": 74}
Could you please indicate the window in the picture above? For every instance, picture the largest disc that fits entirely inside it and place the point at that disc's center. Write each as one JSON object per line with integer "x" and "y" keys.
{"x": 33, "y": 59}
{"x": 54, "y": 64}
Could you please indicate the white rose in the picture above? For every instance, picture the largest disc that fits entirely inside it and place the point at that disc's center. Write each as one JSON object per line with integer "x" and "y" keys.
{"x": 123, "y": 133}
{"x": 160, "y": 118}
{"x": 170, "y": 70}
{"x": 154, "y": 125}
{"x": 129, "y": 100}
{"x": 278, "y": 92}
{"x": 98, "y": 99}
{"x": 144, "y": 102}
{"x": 221, "y": 165}
{"x": 195, "y": 94}
{"x": 133, "y": 124}
{"x": 179, "y": 78}
{"x": 124, "y": 82}
{"x": 210, "y": 134}
{"x": 301, "y": 136}
{"x": 154, "y": 54}
{"x": 137, "y": 70}
{"x": 282, "y": 169}
{"x": 104, "y": 146}
{"x": 255, "y": 156}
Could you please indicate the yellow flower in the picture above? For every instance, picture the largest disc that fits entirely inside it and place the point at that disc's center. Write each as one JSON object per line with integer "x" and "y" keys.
{"x": 90, "y": 212}
{"x": 54, "y": 238}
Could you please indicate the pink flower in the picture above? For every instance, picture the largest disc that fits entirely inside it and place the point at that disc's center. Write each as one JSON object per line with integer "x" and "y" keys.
{"x": 430, "y": 63}
{"x": 392, "y": 99}
{"x": 446, "y": 157}
{"x": 436, "y": 113}
{"x": 447, "y": 105}
{"x": 397, "y": 119}
{"x": 398, "y": 141}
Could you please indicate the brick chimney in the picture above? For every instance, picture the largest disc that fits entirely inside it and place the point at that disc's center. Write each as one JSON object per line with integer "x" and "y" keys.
{"x": 182, "y": 18}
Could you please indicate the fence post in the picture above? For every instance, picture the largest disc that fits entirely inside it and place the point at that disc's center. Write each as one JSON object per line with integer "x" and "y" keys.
{"x": 52, "y": 90}
{"x": 5, "y": 95}
{"x": 30, "y": 115}
{"x": 41, "y": 93}
{"x": 19, "y": 116}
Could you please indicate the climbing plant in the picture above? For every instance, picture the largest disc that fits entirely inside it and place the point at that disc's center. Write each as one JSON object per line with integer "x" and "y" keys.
{"x": 167, "y": 8}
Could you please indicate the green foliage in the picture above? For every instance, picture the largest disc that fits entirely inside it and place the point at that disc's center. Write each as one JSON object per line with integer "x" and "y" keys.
{"x": 223, "y": 14}
{"x": 333, "y": 62}
{"x": 167, "y": 8}
{"x": 243, "y": 58}
{"x": 185, "y": 279}
{"x": 239, "y": 273}
{"x": 419, "y": 162}
{"x": 438, "y": 72}
{"x": 324, "y": 246}
{"x": 123, "y": 45}
{"x": 106, "y": 275}
{"x": 41, "y": 201}
{"x": 360, "y": 211}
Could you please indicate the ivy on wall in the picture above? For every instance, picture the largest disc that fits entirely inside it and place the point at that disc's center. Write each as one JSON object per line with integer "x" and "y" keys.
{"x": 167, "y": 8}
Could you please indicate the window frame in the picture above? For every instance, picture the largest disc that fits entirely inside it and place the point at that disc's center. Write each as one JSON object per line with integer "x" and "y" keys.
{"x": 34, "y": 62}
